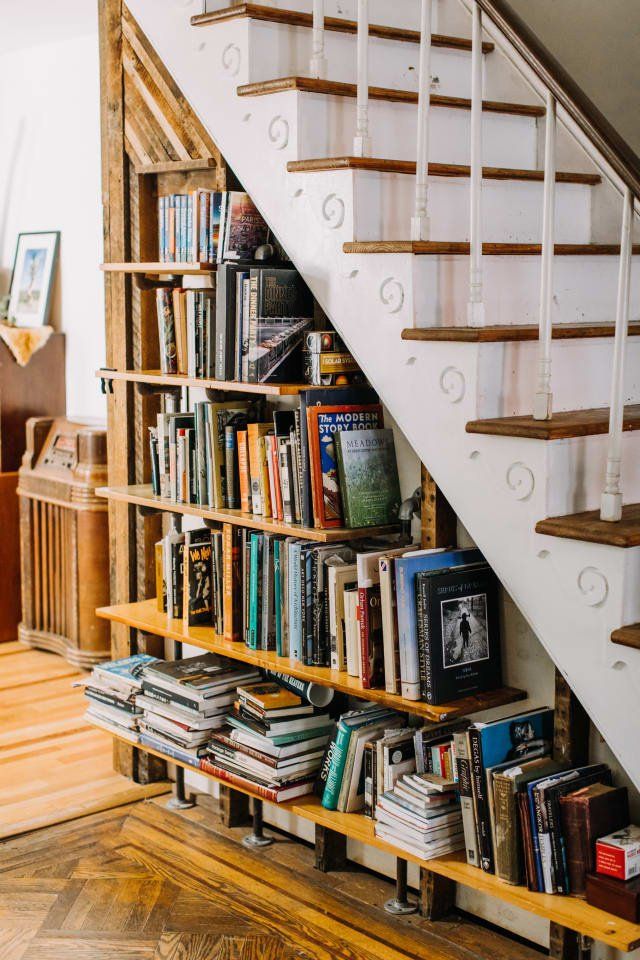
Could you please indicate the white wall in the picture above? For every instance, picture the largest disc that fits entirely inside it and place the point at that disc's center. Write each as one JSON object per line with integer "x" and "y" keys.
{"x": 50, "y": 180}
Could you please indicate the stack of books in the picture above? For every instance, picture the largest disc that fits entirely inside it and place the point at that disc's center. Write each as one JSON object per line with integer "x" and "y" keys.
{"x": 111, "y": 690}
{"x": 421, "y": 815}
{"x": 273, "y": 743}
{"x": 208, "y": 226}
{"x": 182, "y": 701}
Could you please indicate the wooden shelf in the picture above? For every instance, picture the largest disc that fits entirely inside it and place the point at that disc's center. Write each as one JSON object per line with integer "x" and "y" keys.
{"x": 172, "y": 269}
{"x": 180, "y": 380}
{"x": 142, "y": 496}
{"x": 566, "y": 911}
{"x": 146, "y": 617}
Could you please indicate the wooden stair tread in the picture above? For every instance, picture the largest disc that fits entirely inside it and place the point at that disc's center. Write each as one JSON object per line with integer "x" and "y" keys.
{"x": 461, "y": 247}
{"x": 335, "y": 88}
{"x": 589, "y": 527}
{"x": 512, "y": 333}
{"x": 628, "y": 636}
{"x": 569, "y": 423}
{"x": 296, "y": 18}
{"x": 379, "y": 165}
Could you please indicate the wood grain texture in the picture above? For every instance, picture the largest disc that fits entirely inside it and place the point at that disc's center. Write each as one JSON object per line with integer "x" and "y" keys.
{"x": 335, "y": 88}
{"x": 9, "y": 559}
{"x": 437, "y": 895}
{"x": 156, "y": 268}
{"x": 330, "y": 849}
{"x": 145, "y": 616}
{"x": 156, "y": 378}
{"x": 589, "y": 527}
{"x": 570, "y": 423}
{"x": 378, "y": 165}
{"x": 461, "y": 248}
{"x": 628, "y": 636}
{"x": 513, "y": 333}
{"x": 297, "y": 18}
{"x": 438, "y": 521}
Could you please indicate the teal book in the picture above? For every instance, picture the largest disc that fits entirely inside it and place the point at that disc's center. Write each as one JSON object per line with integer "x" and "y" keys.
{"x": 368, "y": 474}
{"x": 349, "y": 722}
{"x": 277, "y": 590}
{"x": 255, "y": 590}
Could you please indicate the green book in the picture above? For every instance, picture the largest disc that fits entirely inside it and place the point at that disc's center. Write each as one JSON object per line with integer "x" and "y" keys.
{"x": 368, "y": 475}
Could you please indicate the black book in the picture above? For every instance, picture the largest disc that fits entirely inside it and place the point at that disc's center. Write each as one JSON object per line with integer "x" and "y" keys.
{"x": 278, "y": 292}
{"x": 198, "y": 577}
{"x": 225, "y": 319}
{"x": 111, "y": 699}
{"x": 155, "y": 461}
{"x": 458, "y": 632}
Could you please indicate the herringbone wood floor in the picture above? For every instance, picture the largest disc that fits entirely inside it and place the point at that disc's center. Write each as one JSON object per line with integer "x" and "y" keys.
{"x": 140, "y": 883}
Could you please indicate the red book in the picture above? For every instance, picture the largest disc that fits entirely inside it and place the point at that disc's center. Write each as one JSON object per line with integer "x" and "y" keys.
{"x": 274, "y": 794}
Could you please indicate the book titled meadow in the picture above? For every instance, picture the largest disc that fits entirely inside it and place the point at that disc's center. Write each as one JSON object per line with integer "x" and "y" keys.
{"x": 368, "y": 475}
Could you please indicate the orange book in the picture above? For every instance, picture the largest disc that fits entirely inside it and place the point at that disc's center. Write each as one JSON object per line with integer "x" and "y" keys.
{"x": 243, "y": 472}
{"x": 180, "y": 322}
{"x": 254, "y": 432}
{"x": 274, "y": 477}
{"x": 265, "y": 491}
{"x": 231, "y": 582}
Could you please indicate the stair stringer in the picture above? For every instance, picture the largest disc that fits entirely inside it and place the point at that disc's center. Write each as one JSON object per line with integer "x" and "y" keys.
{"x": 572, "y": 594}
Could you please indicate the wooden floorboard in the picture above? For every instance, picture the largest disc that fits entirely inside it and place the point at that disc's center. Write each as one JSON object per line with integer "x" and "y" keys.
{"x": 146, "y": 883}
{"x": 53, "y": 765}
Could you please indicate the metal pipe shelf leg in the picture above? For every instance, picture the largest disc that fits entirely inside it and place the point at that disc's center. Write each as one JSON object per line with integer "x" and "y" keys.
{"x": 257, "y": 838}
{"x": 400, "y": 905}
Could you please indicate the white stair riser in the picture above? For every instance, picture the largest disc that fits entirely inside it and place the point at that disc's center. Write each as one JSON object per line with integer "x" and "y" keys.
{"x": 328, "y": 125}
{"x": 512, "y": 210}
{"x": 584, "y": 289}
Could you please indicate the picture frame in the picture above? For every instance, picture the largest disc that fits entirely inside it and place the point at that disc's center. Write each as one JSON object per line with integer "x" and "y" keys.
{"x": 32, "y": 278}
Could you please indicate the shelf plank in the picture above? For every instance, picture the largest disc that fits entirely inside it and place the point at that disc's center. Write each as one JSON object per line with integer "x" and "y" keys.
{"x": 180, "y": 380}
{"x": 514, "y": 333}
{"x": 174, "y": 269}
{"x": 567, "y": 911}
{"x": 588, "y": 526}
{"x": 145, "y": 616}
{"x": 142, "y": 496}
{"x": 562, "y": 426}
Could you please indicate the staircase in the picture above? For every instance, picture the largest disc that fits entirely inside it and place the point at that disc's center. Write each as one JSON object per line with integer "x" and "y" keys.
{"x": 462, "y": 395}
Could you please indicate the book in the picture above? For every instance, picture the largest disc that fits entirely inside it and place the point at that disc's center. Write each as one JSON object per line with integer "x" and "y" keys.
{"x": 341, "y": 576}
{"x": 389, "y": 623}
{"x": 370, "y": 615}
{"x": 274, "y": 794}
{"x": 347, "y": 724}
{"x": 254, "y": 432}
{"x": 197, "y": 604}
{"x": 618, "y": 853}
{"x": 368, "y": 477}
{"x": 586, "y": 815}
{"x": 244, "y": 228}
{"x": 458, "y": 632}
{"x": 618, "y": 897}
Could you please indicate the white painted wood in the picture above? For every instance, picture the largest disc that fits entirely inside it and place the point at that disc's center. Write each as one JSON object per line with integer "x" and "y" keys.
{"x": 420, "y": 221}
{"x": 611, "y": 506}
{"x": 475, "y": 311}
{"x": 543, "y": 401}
{"x": 362, "y": 139}
{"x": 318, "y": 65}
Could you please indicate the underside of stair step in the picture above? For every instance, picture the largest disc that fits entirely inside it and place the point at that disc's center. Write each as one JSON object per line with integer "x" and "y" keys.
{"x": 334, "y": 88}
{"x": 589, "y": 527}
{"x": 441, "y": 248}
{"x": 513, "y": 333}
{"x": 564, "y": 425}
{"x": 378, "y": 165}
{"x": 628, "y": 636}
{"x": 296, "y": 18}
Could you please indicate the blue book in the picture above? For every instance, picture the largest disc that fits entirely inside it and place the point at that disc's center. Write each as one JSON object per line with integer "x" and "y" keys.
{"x": 517, "y": 738}
{"x": 255, "y": 591}
{"x": 126, "y": 672}
{"x": 406, "y": 570}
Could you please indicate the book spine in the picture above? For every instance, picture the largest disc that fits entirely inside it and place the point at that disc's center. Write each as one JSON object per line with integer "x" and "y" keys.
{"x": 230, "y": 628}
{"x": 363, "y": 628}
{"x": 231, "y": 481}
{"x": 337, "y": 765}
{"x": 481, "y": 800}
{"x": 370, "y": 778}
{"x": 243, "y": 471}
{"x": 174, "y": 752}
{"x": 254, "y": 598}
{"x": 277, "y": 594}
{"x": 266, "y": 793}
{"x": 407, "y": 638}
{"x": 544, "y": 841}
{"x": 465, "y": 789}
{"x": 265, "y": 494}
{"x": 533, "y": 821}
{"x": 169, "y": 696}
{"x": 507, "y": 852}
{"x": 284, "y": 470}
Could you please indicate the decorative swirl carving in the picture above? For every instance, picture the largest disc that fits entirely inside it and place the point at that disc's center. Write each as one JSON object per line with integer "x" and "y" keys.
{"x": 333, "y": 211}
{"x": 279, "y": 132}
{"x": 593, "y": 586}
{"x": 453, "y": 384}
{"x": 392, "y": 294}
{"x": 231, "y": 58}
{"x": 520, "y": 480}
{"x": 474, "y": 455}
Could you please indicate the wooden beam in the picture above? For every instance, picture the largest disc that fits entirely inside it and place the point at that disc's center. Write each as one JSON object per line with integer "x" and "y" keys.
{"x": 564, "y": 944}
{"x": 437, "y": 895}
{"x": 330, "y": 849}
{"x": 234, "y": 807}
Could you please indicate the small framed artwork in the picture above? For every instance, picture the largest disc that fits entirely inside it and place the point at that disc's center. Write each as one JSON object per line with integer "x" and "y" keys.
{"x": 32, "y": 278}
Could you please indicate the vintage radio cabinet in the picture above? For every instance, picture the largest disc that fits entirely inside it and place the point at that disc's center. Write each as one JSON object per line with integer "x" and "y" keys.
{"x": 64, "y": 539}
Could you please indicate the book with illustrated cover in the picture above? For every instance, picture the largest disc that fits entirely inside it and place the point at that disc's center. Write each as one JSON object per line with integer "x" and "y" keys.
{"x": 166, "y": 331}
{"x": 323, "y": 423}
{"x": 124, "y": 674}
{"x": 368, "y": 476}
{"x": 197, "y": 605}
{"x": 244, "y": 227}
{"x": 271, "y": 344}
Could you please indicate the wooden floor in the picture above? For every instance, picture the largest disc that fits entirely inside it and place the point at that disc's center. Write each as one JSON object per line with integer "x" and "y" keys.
{"x": 53, "y": 766}
{"x": 141, "y": 883}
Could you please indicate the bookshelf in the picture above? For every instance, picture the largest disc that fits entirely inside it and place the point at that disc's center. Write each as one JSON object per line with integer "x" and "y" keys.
{"x": 155, "y": 378}
{"x": 160, "y": 269}
{"x": 142, "y": 496}
{"x": 146, "y": 617}
{"x": 568, "y": 912}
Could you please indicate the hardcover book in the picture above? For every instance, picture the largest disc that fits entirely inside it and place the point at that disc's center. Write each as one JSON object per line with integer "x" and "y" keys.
{"x": 587, "y": 814}
{"x": 244, "y": 228}
{"x": 368, "y": 474}
{"x": 197, "y": 605}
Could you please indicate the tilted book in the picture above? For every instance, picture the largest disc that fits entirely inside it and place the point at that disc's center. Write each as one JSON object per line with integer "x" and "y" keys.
{"x": 368, "y": 474}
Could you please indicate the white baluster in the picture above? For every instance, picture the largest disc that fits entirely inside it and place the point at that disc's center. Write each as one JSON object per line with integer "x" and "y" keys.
{"x": 611, "y": 503}
{"x": 420, "y": 219}
{"x": 542, "y": 407}
{"x": 318, "y": 65}
{"x": 362, "y": 140}
{"x": 475, "y": 309}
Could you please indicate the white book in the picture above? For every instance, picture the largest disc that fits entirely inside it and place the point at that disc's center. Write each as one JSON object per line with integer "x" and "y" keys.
{"x": 180, "y": 714}
{"x": 117, "y": 717}
{"x": 352, "y": 634}
{"x": 391, "y": 647}
{"x": 342, "y": 576}
{"x": 465, "y": 788}
{"x": 265, "y": 745}
{"x": 112, "y": 728}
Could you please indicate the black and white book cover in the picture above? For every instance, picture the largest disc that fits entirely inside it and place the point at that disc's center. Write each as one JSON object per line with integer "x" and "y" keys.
{"x": 458, "y": 632}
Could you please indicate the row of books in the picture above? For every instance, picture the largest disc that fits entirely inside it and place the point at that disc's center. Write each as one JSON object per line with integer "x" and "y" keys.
{"x": 320, "y": 465}
{"x": 208, "y": 226}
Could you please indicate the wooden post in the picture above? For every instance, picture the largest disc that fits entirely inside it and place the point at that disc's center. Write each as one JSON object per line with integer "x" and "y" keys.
{"x": 331, "y": 849}
{"x": 563, "y": 944}
{"x": 437, "y": 529}
{"x": 234, "y": 807}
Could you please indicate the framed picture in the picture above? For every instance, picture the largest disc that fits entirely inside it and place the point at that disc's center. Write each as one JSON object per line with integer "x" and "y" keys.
{"x": 32, "y": 278}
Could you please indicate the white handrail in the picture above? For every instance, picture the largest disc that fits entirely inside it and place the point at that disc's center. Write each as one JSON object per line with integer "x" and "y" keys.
{"x": 318, "y": 64}
{"x": 611, "y": 503}
{"x": 362, "y": 140}
{"x": 475, "y": 309}
{"x": 420, "y": 219}
{"x": 543, "y": 403}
